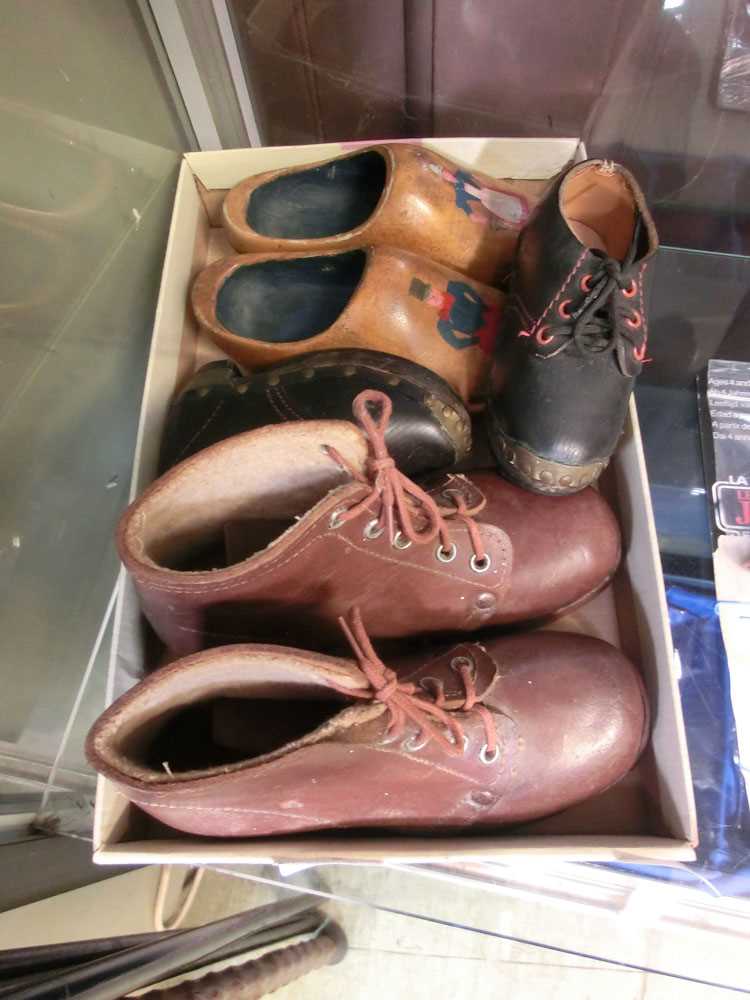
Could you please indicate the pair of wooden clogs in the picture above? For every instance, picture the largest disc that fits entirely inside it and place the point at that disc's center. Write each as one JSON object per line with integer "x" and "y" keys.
{"x": 391, "y": 248}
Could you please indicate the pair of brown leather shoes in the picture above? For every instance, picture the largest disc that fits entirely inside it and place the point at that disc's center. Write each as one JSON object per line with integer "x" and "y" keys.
{"x": 276, "y": 535}
{"x": 391, "y": 248}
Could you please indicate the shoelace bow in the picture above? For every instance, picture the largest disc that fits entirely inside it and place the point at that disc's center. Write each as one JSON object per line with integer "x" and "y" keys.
{"x": 601, "y": 322}
{"x": 403, "y": 701}
{"x": 399, "y": 497}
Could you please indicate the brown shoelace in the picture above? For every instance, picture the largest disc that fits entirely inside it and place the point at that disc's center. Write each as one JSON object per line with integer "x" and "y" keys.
{"x": 403, "y": 702}
{"x": 400, "y": 498}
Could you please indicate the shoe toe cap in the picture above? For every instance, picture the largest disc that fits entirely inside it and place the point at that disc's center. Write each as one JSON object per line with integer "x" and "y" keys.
{"x": 580, "y": 717}
{"x": 564, "y": 548}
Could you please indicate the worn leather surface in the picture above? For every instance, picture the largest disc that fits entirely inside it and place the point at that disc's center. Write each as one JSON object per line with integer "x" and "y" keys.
{"x": 429, "y": 205}
{"x": 404, "y": 305}
{"x": 429, "y": 429}
{"x": 563, "y": 403}
{"x": 546, "y": 553}
{"x": 569, "y": 712}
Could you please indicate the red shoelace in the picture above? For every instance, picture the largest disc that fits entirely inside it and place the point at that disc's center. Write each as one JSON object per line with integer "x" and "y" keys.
{"x": 403, "y": 701}
{"x": 401, "y": 499}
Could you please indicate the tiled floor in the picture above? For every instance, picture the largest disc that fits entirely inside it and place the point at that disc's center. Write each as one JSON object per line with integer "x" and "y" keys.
{"x": 400, "y": 956}
{"x": 394, "y": 955}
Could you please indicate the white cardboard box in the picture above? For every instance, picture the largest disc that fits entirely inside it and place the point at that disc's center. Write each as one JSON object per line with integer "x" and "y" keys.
{"x": 650, "y": 816}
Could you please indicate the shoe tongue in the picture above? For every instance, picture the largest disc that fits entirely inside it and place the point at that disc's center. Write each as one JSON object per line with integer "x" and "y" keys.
{"x": 636, "y": 249}
{"x": 601, "y": 322}
{"x": 358, "y": 721}
{"x": 445, "y": 668}
{"x": 446, "y": 488}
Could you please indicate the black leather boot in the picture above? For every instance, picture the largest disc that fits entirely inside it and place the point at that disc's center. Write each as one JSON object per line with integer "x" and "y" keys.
{"x": 429, "y": 429}
{"x": 574, "y": 330}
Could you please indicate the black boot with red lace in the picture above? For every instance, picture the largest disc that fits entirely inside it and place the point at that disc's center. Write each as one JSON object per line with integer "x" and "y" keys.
{"x": 575, "y": 332}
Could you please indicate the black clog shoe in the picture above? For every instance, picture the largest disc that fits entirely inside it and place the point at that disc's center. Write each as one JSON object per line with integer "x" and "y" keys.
{"x": 429, "y": 430}
{"x": 574, "y": 331}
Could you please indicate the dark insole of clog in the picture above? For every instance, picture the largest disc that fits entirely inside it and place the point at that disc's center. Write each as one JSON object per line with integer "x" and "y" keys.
{"x": 279, "y": 301}
{"x": 322, "y": 201}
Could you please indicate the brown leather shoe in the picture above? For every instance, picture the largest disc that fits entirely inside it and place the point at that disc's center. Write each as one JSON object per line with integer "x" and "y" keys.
{"x": 249, "y": 741}
{"x": 265, "y": 309}
{"x": 393, "y": 194}
{"x": 273, "y": 534}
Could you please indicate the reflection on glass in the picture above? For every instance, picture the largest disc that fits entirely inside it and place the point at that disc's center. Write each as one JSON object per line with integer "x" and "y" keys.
{"x": 662, "y": 85}
{"x": 90, "y": 151}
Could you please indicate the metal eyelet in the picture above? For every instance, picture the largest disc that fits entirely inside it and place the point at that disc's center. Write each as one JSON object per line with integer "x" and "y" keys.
{"x": 446, "y": 556}
{"x": 388, "y": 739}
{"x": 480, "y": 565}
{"x": 427, "y": 682}
{"x": 410, "y": 746}
{"x": 635, "y": 321}
{"x": 372, "y": 530}
{"x": 541, "y": 338}
{"x": 465, "y": 743}
{"x": 400, "y": 541}
{"x": 335, "y": 520}
{"x": 491, "y": 759}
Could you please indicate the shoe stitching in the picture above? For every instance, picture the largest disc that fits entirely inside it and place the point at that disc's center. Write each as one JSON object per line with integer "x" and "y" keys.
{"x": 562, "y": 289}
{"x": 221, "y": 809}
{"x": 515, "y": 304}
{"x": 200, "y": 430}
{"x": 460, "y": 807}
{"x": 279, "y": 413}
{"x": 422, "y": 761}
{"x": 427, "y": 569}
{"x": 427, "y": 384}
{"x": 483, "y": 585}
{"x": 285, "y": 399}
{"x": 642, "y": 301}
{"x": 433, "y": 765}
{"x": 280, "y": 402}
